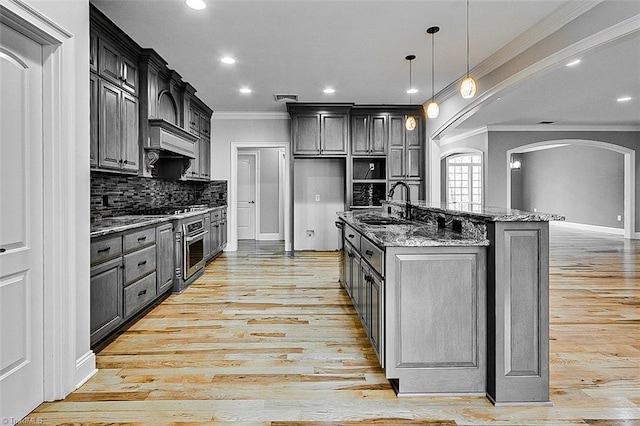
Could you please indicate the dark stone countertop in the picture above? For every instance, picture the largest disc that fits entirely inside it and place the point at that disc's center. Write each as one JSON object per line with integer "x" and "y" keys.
{"x": 405, "y": 233}
{"x": 115, "y": 224}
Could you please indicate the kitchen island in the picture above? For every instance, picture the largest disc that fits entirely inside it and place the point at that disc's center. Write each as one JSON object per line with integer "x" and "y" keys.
{"x": 454, "y": 301}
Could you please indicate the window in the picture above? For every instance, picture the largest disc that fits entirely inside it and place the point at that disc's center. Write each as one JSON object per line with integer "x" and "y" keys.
{"x": 464, "y": 181}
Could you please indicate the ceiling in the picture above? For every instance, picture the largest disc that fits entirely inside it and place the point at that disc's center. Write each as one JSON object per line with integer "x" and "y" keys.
{"x": 358, "y": 47}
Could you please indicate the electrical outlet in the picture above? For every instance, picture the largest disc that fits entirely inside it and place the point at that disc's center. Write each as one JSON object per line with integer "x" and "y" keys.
{"x": 619, "y": 218}
{"x": 317, "y": 197}
{"x": 372, "y": 166}
{"x": 535, "y": 210}
{"x": 311, "y": 233}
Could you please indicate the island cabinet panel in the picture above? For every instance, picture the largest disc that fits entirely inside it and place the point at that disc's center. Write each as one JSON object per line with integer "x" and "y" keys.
{"x": 518, "y": 301}
{"x": 436, "y": 319}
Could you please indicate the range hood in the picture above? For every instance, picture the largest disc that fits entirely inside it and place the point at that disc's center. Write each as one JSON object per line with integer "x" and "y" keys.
{"x": 169, "y": 149}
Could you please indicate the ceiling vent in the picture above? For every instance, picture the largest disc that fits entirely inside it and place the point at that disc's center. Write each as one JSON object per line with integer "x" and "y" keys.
{"x": 286, "y": 98}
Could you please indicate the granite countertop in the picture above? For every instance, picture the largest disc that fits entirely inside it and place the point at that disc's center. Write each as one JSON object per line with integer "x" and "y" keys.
{"x": 112, "y": 225}
{"x": 488, "y": 214}
{"x": 396, "y": 232}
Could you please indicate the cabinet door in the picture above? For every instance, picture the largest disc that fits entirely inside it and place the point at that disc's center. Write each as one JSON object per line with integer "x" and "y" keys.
{"x": 215, "y": 236}
{"x": 129, "y": 75}
{"x": 333, "y": 134}
{"x": 348, "y": 256}
{"x": 109, "y": 62}
{"x": 194, "y": 170}
{"x": 164, "y": 262}
{"x": 105, "y": 304}
{"x": 359, "y": 135}
{"x": 356, "y": 285}
{"x": 93, "y": 52}
{"x": 306, "y": 134}
{"x": 93, "y": 117}
{"x": 109, "y": 145}
{"x": 396, "y": 131}
{"x": 205, "y": 160}
{"x": 223, "y": 234}
{"x": 378, "y": 135}
{"x": 414, "y": 161}
{"x": 130, "y": 146}
{"x": 205, "y": 126}
{"x": 375, "y": 310}
{"x": 206, "y": 243}
{"x": 194, "y": 121}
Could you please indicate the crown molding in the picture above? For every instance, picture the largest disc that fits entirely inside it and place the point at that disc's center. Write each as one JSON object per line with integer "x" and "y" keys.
{"x": 543, "y": 29}
{"x": 462, "y": 136}
{"x": 561, "y": 128}
{"x": 250, "y": 115}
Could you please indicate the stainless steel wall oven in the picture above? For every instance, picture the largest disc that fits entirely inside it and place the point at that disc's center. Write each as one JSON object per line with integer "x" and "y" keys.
{"x": 193, "y": 232}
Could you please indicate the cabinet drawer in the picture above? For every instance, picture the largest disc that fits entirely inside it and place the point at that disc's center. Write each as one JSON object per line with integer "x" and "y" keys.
{"x": 105, "y": 248}
{"x": 352, "y": 236}
{"x": 137, "y": 239}
{"x": 139, "y": 294}
{"x": 373, "y": 255}
{"x": 139, "y": 263}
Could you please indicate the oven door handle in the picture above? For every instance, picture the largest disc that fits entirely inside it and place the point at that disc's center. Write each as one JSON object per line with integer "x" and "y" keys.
{"x": 196, "y": 237}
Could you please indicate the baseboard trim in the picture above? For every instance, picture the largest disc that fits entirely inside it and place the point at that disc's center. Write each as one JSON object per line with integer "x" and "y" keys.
{"x": 85, "y": 368}
{"x": 592, "y": 228}
{"x": 269, "y": 237}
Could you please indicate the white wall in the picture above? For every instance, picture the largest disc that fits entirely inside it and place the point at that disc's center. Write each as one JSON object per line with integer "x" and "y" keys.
{"x": 325, "y": 179}
{"x": 225, "y": 129}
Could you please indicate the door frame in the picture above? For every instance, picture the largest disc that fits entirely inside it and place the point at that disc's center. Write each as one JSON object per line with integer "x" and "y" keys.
{"x": 63, "y": 167}
{"x": 232, "y": 244}
{"x": 256, "y": 186}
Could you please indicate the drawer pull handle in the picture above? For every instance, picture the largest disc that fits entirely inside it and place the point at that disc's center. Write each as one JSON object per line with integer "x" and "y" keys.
{"x": 144, "y": 262}
{"x": 104, "y": 250}
{"x": 351, "y": 235}
{"x": 142, "y": 292}
{"x": 350, "y": 254}
{"x": 142, "y": 238}
{"x": 368, "y": 252}
{"x": 2, "y": 250}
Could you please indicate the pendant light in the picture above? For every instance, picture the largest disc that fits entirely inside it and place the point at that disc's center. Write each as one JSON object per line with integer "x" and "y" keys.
{"x": 468, "y": 86}
{"x": 410, "y": 123}
{"x": 433, "y": 110}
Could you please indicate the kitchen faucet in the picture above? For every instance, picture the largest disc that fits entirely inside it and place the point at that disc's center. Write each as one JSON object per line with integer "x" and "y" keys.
{"x": 408, "y": 192}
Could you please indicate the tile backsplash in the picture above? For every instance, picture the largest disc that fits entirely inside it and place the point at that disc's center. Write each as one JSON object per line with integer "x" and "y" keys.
{"x": 115, "y": 195}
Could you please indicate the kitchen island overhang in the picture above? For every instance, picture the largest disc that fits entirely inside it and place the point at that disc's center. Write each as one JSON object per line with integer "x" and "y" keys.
{"x": 462, "y": 299}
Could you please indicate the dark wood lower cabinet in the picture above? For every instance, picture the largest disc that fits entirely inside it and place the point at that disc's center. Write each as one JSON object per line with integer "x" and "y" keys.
{"x": 131, "y": 270}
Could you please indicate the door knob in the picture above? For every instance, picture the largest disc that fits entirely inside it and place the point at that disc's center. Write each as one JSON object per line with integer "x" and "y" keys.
{"x": 252, "y": 202}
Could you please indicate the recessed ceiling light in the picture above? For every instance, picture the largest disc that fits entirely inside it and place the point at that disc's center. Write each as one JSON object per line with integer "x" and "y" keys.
{"x": 245, "y": 90}
{"x": 329, "y": 90}
{"x": 624, "y": 99}
{"x": 196, "y": 4}
{"x": 572, "y": 63}
{"x": 410, "y": 91}
{"x": 228, "y": 60}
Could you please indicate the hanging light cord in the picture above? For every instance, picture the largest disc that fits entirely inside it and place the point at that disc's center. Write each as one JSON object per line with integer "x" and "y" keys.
{"x": 432, "y": 68}
{"x": 410, "y": 87}
{"x": 467, "y": 38}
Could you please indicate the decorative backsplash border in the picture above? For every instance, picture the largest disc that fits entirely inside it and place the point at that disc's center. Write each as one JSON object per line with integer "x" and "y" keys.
{"x": 116, "y": 195}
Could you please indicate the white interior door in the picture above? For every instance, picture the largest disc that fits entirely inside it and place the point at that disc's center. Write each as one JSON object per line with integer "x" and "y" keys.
{"x": 246, "y": 204}
{"x": 21, "y": 206}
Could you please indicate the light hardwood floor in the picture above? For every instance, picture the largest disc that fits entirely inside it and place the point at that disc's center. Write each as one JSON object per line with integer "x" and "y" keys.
{"x": 264, "y": 338}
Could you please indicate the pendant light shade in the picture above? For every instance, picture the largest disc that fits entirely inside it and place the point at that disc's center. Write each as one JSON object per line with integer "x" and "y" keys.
{"x": 468, "y": 86}
{"x": 410, "y": 122}
{"x": 433, "y": 110}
